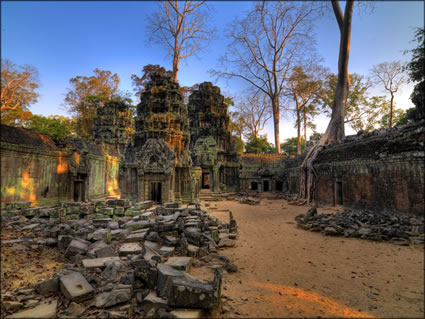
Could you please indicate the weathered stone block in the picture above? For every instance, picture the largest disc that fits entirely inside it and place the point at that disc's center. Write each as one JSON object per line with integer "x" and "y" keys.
{"x": 189, "y": 293}
{"x": 130, "y": 248}
{"x": 75, "y": 287}
{"x": 180, "y": 263}
{"x": 76, "y": 247}
{"x": 166, "y": 275}
{"x": 98, "y": 262}
{"x": 47, "y": 286}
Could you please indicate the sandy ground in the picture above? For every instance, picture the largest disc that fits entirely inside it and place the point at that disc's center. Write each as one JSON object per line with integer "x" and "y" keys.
{"x": 285, "y": 271}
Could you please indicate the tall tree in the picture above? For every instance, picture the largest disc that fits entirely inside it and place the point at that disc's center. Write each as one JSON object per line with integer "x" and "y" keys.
{"x": 87, "y": 93}
{"x": 416, "y": 71}
{"x": 265, "y": 44}
{"x": 18, "y": 85}
{"x": 391, "y": 76}
{"x": 303, "y": 87}
{"x": 254, "y": 112}
{"x": 182, "y": 27}
{"x": 335, "y": 131}
{"x": 362, "y": 111}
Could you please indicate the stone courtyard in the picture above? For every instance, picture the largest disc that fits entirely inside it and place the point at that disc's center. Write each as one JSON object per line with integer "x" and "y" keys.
{"x": 171, "y": 222}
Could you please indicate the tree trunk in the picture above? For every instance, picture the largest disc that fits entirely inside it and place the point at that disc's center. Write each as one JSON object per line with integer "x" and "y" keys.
{"x": 298, "y": 129}
{"x": 175, "y": 67}
{"x": 305, "y": 126}
{"x": 276, "y": 120}
{"x": 391, "y": 109}
{"x": 335, "y": 130}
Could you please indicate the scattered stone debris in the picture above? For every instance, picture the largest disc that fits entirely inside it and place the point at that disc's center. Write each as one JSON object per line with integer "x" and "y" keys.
{"x": 398, "y": 229}
{"x": 123, "y": 260}
{"x": 249, "y": 200}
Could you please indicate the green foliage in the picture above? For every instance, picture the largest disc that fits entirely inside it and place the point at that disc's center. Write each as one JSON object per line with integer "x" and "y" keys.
{"x": 229, "y": 101}
{"x": 402, "y": 120}
{"x": 18, "y": 85}
{"x": 259, "y": 145}
{"x": 55, "y": 125}
{"x": 290, "y": 145}
{"x": 362, "y": 112}
{"x": 399, "y": 117}
{"x": 239, "y": 144}
{"x": 416, "y": 67}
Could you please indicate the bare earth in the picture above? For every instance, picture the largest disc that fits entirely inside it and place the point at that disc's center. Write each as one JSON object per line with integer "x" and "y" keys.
{"x": 285, "y": 271}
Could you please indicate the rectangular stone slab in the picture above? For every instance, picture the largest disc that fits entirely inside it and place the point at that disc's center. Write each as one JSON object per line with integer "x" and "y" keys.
{"x": 98, "y": 262}
{"x": 179, "y": 263}
{"x": 39, "y": 312}
{"x": 130, "y": 248}
{"x": 75, "y": 287}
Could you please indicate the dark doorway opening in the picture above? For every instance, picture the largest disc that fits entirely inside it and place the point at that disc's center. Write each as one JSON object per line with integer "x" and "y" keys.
{"x": 338, "y": 192}
{"x": 205, "y": 180}
{"x": 156, "y": 192}
{"x": 134, "y": 187}
{"x": 279, "y": 186}
{"x": 254, "y": 186}
{"x": 265, "y": 186}
{"x": 80, "y": 188}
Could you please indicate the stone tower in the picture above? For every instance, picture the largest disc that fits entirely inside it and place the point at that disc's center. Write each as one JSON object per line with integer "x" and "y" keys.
{"x": 158, "y": 165}
{"x": 112, "y": 125}
{"x": 211, "y": 144}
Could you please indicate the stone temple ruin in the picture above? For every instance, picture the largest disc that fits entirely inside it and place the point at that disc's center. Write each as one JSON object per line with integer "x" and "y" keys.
{"x": 114, "y": 206}
{"x": 180, "y": 152}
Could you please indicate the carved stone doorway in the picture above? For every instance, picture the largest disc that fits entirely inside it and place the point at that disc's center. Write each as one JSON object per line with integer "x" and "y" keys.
{"x": 80, "y": 188}
{"x": 206, "y": 181}
{"x": 156, "y": 191}
{"x": 265, "y": 186}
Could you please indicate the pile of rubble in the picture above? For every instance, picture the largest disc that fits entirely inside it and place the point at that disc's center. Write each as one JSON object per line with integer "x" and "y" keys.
{"x": 383, "y": 226}
{"x": 124, "y": 260}
{"x": 250, "y": 200}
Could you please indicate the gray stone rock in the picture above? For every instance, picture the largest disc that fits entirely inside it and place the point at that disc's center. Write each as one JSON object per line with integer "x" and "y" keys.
{"x": 180, "y": 263}
{"x": 98, "y": 262}
{"x": 40, "y": 312}
{"x": 130, "y": 248}
{"x": 11, "y": 305}
{"x": 106, "y": 251}
{"x": 75, "y": 310}
{"x": 154, "y": 302}
{"x": 187, "y": 313}
{"x": 75, "y": 287}
{"x": 120, "y": 294}
{"x": 47, "y": 286}
{"x": 166, "y": 275}
{"x": 194, "y": 293}
{"x": 146, "y": 272}
{"x": 76, "y": 247}
{"x": 166, "y": 251}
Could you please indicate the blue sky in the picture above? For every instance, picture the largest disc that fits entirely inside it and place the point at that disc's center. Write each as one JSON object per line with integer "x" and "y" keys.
{"x": 65, "y": 39}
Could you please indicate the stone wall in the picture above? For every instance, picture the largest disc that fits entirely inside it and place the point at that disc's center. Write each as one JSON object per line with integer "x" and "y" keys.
{"x": 260, "y": 172}
{"x": 36, "y": 168}
{"x": 383, "y": 170}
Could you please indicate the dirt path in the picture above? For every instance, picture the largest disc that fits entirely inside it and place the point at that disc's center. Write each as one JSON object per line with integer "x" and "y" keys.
{"x": 288, "y": 272}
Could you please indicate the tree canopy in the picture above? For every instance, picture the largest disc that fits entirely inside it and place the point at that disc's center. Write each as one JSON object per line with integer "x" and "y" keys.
{"x": 87, "y": 94}
{"x": 291, "y": 144}
{"x": 259, "y": 145}
{"x": 18, "y": 91}
{"x": 56, "y": 126}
